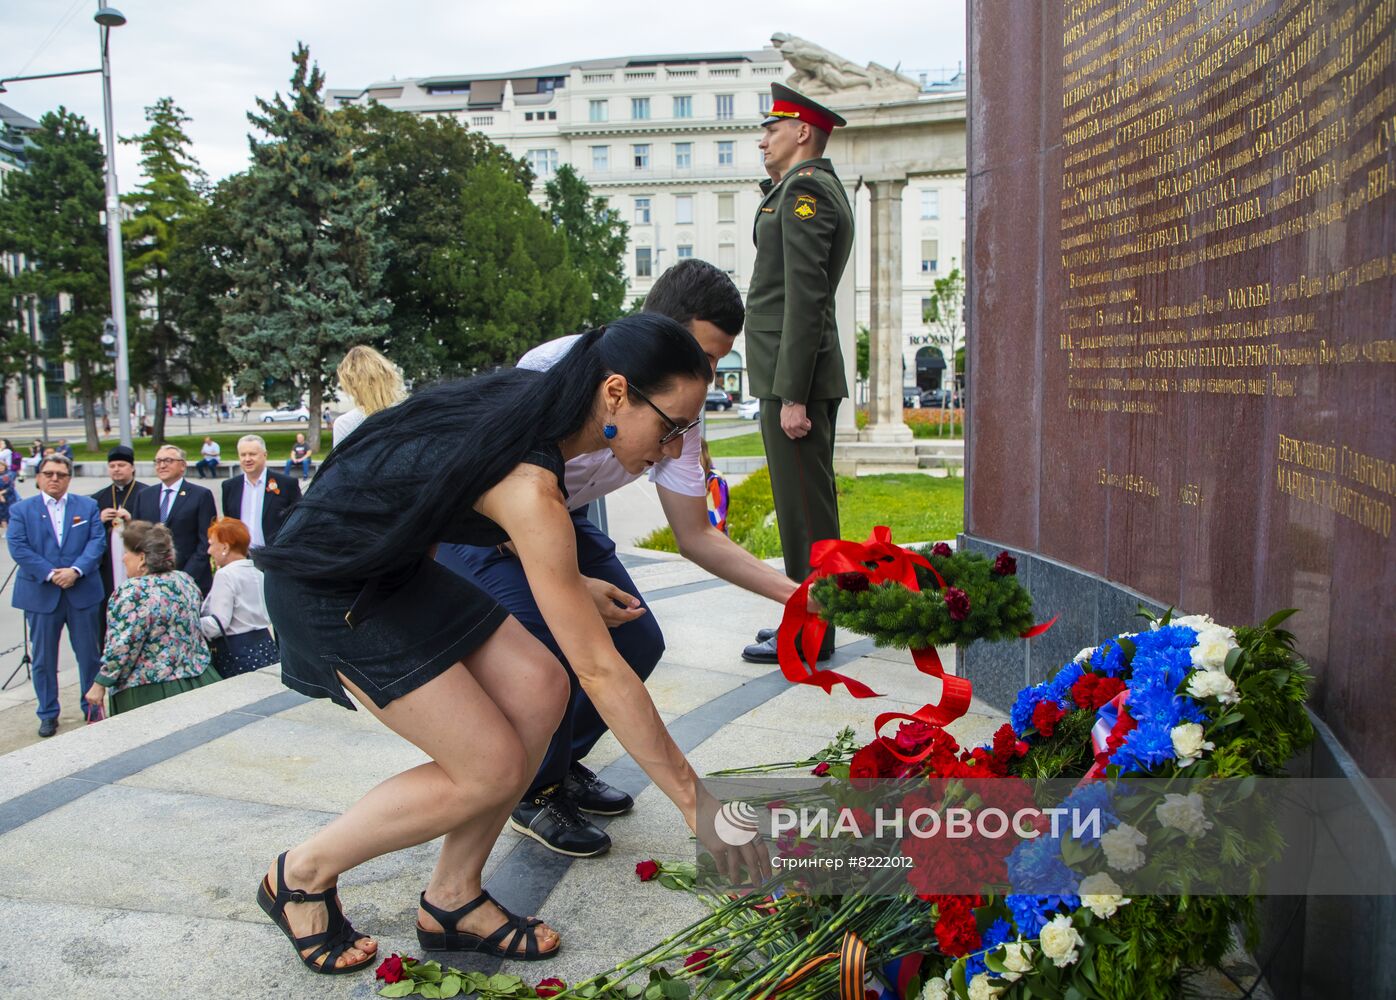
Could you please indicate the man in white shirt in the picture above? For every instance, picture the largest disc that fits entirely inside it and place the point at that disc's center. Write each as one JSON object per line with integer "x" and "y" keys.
{"x": 259, "y": 498}
{"x": 704, "y": 299}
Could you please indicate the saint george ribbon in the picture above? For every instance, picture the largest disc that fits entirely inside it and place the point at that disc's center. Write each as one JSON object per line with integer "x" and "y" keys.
{"x": 880, "y": 561}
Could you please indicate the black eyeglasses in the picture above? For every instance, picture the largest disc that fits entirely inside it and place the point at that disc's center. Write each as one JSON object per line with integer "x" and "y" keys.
{"x": 676, "y": 430}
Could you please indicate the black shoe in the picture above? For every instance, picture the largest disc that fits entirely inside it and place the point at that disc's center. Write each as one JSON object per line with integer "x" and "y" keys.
{"x": 765, "y": 652}
{"x": 551, "y": 818}
{"x": 592, "y": 795}
{"x": 766, "y": 633}
{"x": 47, "y": 727}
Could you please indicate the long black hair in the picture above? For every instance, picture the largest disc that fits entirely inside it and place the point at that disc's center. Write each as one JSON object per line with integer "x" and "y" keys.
{"x": 408, "y": 473}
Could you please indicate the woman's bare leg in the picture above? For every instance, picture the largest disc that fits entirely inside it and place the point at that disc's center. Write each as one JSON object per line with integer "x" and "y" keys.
{"x": 479, "y": 766}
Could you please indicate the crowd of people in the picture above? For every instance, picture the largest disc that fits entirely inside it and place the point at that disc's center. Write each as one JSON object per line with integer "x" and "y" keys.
{"x": 441, "y": 572}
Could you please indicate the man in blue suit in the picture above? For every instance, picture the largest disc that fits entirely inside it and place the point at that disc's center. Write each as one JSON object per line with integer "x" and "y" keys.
{"x": 56, "y": 539}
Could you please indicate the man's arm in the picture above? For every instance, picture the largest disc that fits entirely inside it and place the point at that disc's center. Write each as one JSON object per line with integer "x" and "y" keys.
{"x": 91, "y": 557}
{"x": 23, "y": 553}
{"x": 703, "y": 544}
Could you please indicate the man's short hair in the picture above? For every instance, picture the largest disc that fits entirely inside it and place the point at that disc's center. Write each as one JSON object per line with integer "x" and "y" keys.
{"x": 256, "y": 439}
{"x": 694, "y": 289}
{"x": 174, "y": 448}
{"x": 58, "y": 457}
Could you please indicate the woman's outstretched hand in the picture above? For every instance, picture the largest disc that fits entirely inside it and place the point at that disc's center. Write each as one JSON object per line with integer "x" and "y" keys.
{"x": 732, "y": 860}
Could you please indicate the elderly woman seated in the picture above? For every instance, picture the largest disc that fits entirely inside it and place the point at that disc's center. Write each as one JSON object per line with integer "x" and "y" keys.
{"x": 234, "y": 616}
{"x": 154, "y": 647}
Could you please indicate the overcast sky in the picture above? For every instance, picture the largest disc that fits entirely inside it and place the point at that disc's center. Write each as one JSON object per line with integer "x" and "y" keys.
{"x": 214, "y": 58}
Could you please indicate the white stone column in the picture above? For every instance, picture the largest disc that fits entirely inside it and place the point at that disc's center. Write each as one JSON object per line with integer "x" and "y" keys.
{"x": 885, "y": 424}
{"x": 846, "y": 315}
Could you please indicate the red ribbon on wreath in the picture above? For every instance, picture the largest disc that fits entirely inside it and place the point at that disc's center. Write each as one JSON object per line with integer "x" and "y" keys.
{"x": 879, "y": 560}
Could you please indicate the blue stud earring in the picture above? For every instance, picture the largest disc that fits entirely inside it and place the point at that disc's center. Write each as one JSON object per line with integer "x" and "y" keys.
{"x": 609, "y": 430}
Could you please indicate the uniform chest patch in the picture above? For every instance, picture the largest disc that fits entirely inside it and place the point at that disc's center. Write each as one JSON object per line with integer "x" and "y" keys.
{"x": 804, "y": 206}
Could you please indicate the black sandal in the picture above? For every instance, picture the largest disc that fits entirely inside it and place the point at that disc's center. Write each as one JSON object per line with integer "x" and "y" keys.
{"x": 454, "y": 940}
{"x": 330, "y": 943}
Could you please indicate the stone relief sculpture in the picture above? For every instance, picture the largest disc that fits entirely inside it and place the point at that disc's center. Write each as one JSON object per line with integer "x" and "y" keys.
{"x": 821, "y": 72}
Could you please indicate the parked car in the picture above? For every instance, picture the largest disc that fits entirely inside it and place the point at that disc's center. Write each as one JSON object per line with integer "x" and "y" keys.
{"x": 911, "y": 396}
{"x": 940, "y": 398}
{"x": 749, "y": 409}
{"x": 286, "y": 414}
{"x": 718, "y": 400}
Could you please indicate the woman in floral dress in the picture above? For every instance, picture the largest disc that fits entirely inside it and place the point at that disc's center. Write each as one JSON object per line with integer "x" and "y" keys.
{"x": 154, "y": 646}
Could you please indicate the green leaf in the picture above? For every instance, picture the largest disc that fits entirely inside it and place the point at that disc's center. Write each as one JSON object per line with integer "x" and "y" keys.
{"x": 450, "y": 986}
{"x": 1278, "y": 617}
{"x": 401, "y": 988}
{"x": 674, "y": 990}
{"x": 1127, "y": 648}
{"x": 1232, "y": 659}
{"x": 501, "y": 983}
{"x": 431, "y": 991}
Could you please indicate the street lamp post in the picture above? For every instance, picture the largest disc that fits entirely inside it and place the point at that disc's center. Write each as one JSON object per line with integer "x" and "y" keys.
{"x": 108, "y": 18}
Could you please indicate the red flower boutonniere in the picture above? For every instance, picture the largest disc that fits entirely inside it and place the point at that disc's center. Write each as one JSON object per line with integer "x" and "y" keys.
{"x": 273, "y": 487}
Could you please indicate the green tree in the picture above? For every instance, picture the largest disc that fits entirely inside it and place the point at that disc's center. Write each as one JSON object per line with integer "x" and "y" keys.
{"x": 596, "y": 238}
{"x": 476, "y": 272}
{"x": 201, "y": 262}
{"x": 308, "y": 259}
{"x": 167, "y": 199}
{"x": 52, "y": 213}
{"x": 945, "y": 315}
{"x": 863, "y": 346}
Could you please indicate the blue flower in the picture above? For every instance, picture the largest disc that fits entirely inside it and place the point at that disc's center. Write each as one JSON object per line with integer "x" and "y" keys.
{"x": 1087, "y": 799}
{"x": 1036, "y": 866}
{"x": 998, "y": 933}
{"x": 1145, "y": 748}
{"x": 1108, "y": 659}
{"x": 1031, "y": 913}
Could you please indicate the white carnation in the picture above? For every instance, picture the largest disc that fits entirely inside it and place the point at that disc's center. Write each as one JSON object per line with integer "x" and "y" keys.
{"x": 1213, "y": 684}
{"x": 936, "y": 990}
{"x": 1084, "y": 655}
{"x": 981, "y": 989}
{"x": 1017, "y": 960}
{"x": 1212, "y": 646}
{"x": 1184, "y": 812}
{"x": 1101, "y": 894}
{"x": 1060, "y": 941}
{"x": 1188, "y": 743}
{"x": 1121, "y": 846}
{"x": 1198, "y": 623}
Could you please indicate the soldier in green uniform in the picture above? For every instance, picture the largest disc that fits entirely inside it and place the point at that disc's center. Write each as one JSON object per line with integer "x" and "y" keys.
{"x": 804, "y": 231}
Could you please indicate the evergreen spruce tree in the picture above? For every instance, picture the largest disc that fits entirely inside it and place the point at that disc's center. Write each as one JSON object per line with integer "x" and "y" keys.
{"x": 52, "y": 213}
{"x": 163, "y": 205}
{"x": 596, "y": 237}
{"x": 309, "y": 260}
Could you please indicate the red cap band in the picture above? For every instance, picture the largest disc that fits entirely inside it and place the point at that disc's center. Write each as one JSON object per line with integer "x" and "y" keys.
{"x": 789, "y": 109}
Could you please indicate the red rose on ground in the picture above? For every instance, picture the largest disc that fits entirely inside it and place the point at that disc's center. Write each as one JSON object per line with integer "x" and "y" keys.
{"x": 851, "y": 581}
{"x": 1005, "y": 565}
{"x": 699, "y": 960}
{"x": 647, "y": 870}
{"x": 1045, "y": 717}
{"x": 912, "y": 736}
{"x": 550, "y": 987}
{"x": 872, "y": 763}
{"x": 390, "y": 971}
{"x": 941, "y": 549}
{"x": 820, "y": 769}
{"x": 957, "y": 601}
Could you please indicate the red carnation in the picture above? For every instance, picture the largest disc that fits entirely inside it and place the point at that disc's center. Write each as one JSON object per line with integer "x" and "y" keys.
{"x": 957, "y": 602}
{"x": 550, "y": 987}
{"x": 941, "y": 549}
{"x": 698, "y": 961}
{"x": 647, "y": 870}
{"x": 1045, "y": 717}
{"x": 390, "y": 971}
{"x": 1094, "y": 690}
{"x": 1005, "y": 565}
{"x": 1007, "y": 746}
{"x": 856, "y": 582}
{"x": 820, "y": 769}
{"x": 956, "y": 930}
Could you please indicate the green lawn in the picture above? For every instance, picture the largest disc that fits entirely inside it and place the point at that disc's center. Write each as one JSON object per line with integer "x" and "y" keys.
{"x": 742, "y": 444}
{"x": 278, "y": 445}
{"x": 916, "y": 507}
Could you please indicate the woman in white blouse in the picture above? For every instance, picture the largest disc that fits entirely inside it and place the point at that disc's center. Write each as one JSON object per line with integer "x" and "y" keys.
{"x": 372, "y": 381}
{"x": 234, "y": 605}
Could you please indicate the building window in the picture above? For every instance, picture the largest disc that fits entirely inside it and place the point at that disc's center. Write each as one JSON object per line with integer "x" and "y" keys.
{"x": 726, "y": 208}
{"x": 725, "y": 153}
{"x": 641, "y": 155}
{"x": 644, "y": 267}
{"x": 930, "y": 250}
{"x": 683, "y": 209}
{"x": 930, "y": 203}
{"x": 766, "y": 101}
{"x": 725, "y": 104}
{"x": 528, "y": 116}
{"x": 640, "y": 108}
{"x": 683, "y": 155}
{"x": 727, "y": 257}
{"x": 543, "y": 162}
{"x": 683, "y": 107}
{"x": 598, "y": 111}
{"x": 642, "y": 212}
{"x": 600, "y": 157}
{"x": 684, "y": 251}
